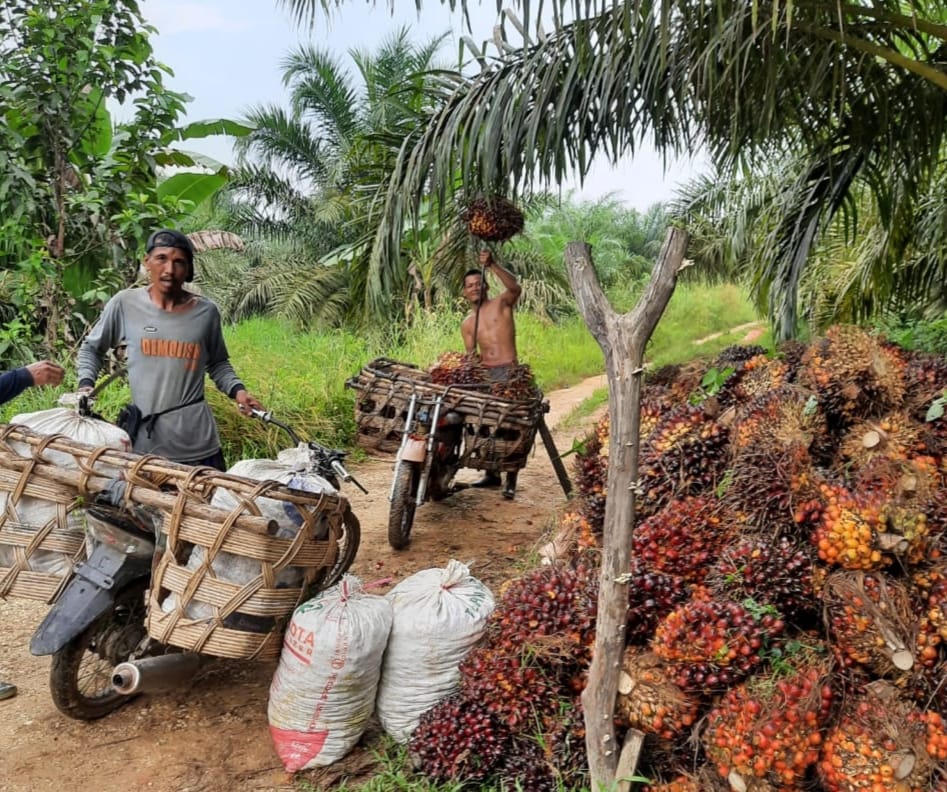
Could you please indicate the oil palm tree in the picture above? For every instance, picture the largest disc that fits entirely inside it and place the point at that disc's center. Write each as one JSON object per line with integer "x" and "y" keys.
{"x": 854, "y": 93}
{"x": 307, "y": 172}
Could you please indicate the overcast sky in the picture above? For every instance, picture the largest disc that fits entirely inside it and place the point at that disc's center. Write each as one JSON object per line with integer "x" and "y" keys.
{"x": 226, "y": 55}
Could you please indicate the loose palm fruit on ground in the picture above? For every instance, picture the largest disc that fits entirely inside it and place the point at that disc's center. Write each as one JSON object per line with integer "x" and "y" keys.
{"x": 870, "y": 621}
{"x": 769, "y": 728}
{"x": 648, "y": 700}
{"x": 458, "y": 740}
{"x": 775, "y": 572}
{"x": 684, "y": 538}
{"x": 713, "y": 643}
{"x": 880, "y": 742}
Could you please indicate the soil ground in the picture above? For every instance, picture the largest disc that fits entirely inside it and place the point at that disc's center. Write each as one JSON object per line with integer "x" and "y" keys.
{"x": 212, "y": 735}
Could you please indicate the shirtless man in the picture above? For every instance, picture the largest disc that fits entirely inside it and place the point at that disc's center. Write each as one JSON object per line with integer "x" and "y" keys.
{"x": 495, "y": 337}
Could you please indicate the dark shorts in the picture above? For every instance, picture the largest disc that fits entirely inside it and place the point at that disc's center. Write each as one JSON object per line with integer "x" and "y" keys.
{"x": 499, "y": 373}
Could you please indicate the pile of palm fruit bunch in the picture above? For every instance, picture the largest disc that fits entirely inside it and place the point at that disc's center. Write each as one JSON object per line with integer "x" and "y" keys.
{"x": 787, "y": 587}
{"x": 466, "y": 371}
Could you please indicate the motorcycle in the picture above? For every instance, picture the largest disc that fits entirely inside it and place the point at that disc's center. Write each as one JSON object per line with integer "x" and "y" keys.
{"x": 95, "y": 631}
{"x": 427, "y": 461}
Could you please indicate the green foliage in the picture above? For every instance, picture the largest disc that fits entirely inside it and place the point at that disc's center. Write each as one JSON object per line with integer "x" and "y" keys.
{"x": 77, "y": 195}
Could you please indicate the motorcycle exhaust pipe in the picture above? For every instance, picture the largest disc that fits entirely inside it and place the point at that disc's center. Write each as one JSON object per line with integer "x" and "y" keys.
{"x": 154, "y": 674}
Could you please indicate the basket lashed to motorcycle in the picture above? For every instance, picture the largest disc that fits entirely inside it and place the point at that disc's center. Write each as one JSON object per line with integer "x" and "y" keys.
{"x": 27, "y": 549}
{"x": 244, "y": 619}
{"x": 498, "y": 433}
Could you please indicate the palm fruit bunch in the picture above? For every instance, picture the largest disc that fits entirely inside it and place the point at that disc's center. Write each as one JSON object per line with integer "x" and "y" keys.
{"x": 520, "y": 386}
{"x": 882, "y": 742}
{"x": 553, "y": 608}
{"x": 768, "y": 501}
{"x": 737, "y": 355}
{"x": 931, "y": 590}
{"x": 765, "y": 733}
{"x": 458, "y": 740}
{"x": 456, "y": 368}
{"x": 752, "y": 375}
{"x": 651, "y": 596}
{"x": 925, "y": 379}
{"x": 847, "y": 532}
{"x": 563, "y": 738}
{"x": 493, "y": 219}
{"x": 684, "y": 455}
{"x": 784, "y": 416}
{"x": 869, "y": 619}
{"x": 590, "y": 470}
{"x": 853, "y": 373}
{"x": 514, "y": 688}
{"x": 648, "y": 699}
{"x": 684, "y": 538}
{"x": 703, "y": 781}
{"x": 777, "y": 572}
{"x": 712, "y": 643}
{"x": 893, "y": 436}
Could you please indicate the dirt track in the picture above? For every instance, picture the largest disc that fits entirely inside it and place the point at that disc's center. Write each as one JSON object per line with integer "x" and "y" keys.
{"x": 213, "y": 735}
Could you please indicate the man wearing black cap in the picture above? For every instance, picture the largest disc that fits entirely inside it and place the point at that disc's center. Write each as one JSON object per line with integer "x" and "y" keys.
{"x": 173, "y": 339}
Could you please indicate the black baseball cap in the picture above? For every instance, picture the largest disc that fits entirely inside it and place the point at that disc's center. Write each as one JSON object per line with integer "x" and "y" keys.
{"x": 168, "y": 237}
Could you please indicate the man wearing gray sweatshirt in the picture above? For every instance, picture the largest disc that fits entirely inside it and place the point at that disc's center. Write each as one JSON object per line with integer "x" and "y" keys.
{"x": 173, "y": 339}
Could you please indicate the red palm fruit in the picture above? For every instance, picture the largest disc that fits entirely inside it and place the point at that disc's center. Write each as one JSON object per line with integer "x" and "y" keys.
{"x": 684, "y": 538}
{"x": 766, "y": 732}
{"x": 458, "y": 740}
{"x": 713, "y": 643}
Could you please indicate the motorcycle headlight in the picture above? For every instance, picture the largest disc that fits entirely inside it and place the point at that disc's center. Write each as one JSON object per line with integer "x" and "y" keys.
{"x": 122, "y": 541}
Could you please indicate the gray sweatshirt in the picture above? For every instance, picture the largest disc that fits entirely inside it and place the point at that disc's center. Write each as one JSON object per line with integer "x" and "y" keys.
{"x": 168, "y": 356}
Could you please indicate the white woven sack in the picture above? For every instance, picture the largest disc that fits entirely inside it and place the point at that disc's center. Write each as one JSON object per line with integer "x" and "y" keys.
{"x": 323, "y": 692}
{"x": 34, "y": 513}
{"x": 240, "y": 569}
{"x": 439, "y": 615}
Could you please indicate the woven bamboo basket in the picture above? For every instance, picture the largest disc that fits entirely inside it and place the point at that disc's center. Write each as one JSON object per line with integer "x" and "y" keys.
{"x": 498, "y": 433}
{"x": 228, "y": 591}
{"x": 246, "y": 619}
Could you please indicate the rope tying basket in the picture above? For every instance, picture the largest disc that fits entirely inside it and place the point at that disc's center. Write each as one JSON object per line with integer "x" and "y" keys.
{"x": 228, "y": 579}
{"x": 498, "y": 433}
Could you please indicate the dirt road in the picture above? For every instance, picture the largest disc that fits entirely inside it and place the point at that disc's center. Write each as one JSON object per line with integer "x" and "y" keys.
{"x": 213, "y": 735}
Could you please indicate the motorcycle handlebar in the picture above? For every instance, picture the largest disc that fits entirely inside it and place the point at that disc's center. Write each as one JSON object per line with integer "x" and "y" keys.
{"x": 338, "y": 468}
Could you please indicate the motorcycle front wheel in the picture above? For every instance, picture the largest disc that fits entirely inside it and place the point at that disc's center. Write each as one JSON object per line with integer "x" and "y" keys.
{"x": 348, "y": 547}
{"x": 80, "y": 677}
{"x": 401, "y": 512}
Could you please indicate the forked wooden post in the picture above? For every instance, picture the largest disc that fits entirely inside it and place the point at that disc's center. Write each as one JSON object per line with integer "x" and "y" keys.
{"x": 623, "y": 338}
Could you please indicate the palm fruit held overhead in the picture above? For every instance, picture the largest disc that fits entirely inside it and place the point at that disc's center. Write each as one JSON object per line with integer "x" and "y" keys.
{"x": 494, "y": 219}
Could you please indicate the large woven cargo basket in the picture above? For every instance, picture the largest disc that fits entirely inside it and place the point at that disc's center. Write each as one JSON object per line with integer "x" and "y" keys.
{"x": 498, "y": 433}
{"x": 242, "y": 614}
{"x": 36, "y": 559}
